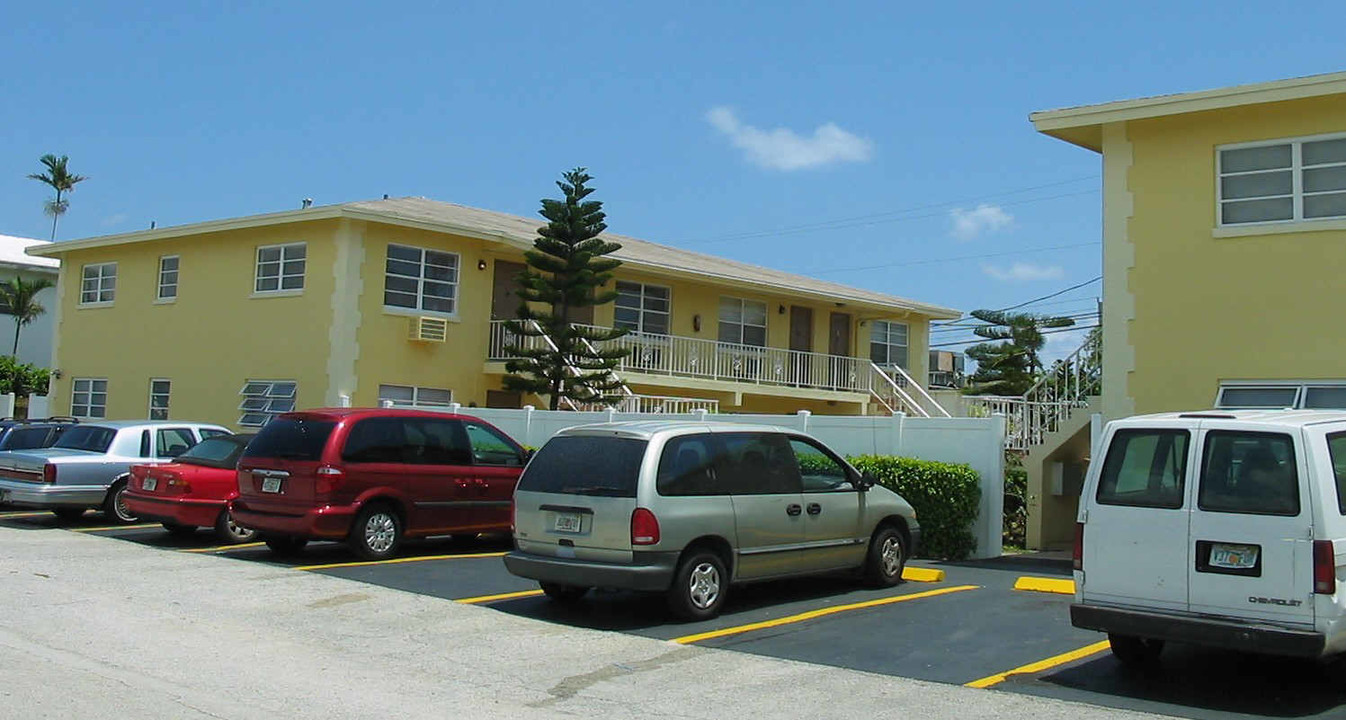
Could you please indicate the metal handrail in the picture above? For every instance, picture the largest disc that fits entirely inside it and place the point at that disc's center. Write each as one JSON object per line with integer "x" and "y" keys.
{"x": 1049, "y": 402}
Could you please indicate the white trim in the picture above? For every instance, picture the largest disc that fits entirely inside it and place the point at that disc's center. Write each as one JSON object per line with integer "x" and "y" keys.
{"x": 640, "y": 311}
{"x": 1296, "y": 170}
{"x": 1119, "y": 260}
{"x": 168, "y": 405}
{"x": 416, "y": 391}
{"x": 343, "y": 333}
{"x": 280, "y": 269}
{"x": 421, "y": 280}
{"x": 743, "y": 324}
{"x": 83, "y": 269}
{"x": 1279, "y": 228}
{"x": 906, "y": 349}
{"x": 408, "y": 312}
{"x": 275, "y": 294}
{"x": 1301, "y": 388}
{"x": 177, "y": 277}
{"x": 74, "y": 382}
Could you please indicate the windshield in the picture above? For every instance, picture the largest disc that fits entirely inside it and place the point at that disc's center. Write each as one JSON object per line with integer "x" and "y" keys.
{"x": 220, "y": 452}
{"x": 291, "y": 438}
{"x": 586, "y": 465}
{"x": 87, "y": 437}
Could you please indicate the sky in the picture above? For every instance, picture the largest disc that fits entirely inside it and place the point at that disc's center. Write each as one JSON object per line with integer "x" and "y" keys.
{"x": 882, "y": 145}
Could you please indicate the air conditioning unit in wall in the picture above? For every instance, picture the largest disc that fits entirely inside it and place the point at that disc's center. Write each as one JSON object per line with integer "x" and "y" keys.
{"x": 429, "y": 329}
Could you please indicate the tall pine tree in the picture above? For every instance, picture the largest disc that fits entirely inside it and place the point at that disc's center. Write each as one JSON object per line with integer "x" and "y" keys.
{"x": 1012, "y": 366}
{"x": 566, "y": 270}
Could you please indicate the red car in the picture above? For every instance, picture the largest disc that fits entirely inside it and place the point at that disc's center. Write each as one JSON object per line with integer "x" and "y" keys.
{"x": 192, "y": 491}
{"x": 372, "y": 477}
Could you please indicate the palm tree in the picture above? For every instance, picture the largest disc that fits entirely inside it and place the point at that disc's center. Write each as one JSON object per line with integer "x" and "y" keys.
{"x": 19, "y": 298}
{"x": 60, "y": 180}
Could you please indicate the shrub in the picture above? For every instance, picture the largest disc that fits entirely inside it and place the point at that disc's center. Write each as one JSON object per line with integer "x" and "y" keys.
{"x": 1016, "y": 501}
{"x": 944, "y": 495}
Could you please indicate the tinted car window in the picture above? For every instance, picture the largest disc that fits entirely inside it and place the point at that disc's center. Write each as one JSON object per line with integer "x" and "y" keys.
{"x": 26, "y": 438}
{"x": 758, "y": 464}
{"x": 687, "y": 466}
{"x": 490, "y": 447}
{"x": 586, "y": 465}
{"x": 1336, "y": 447}
{"x": 87, "y": 437}
{"x": 219, "y": 452}
{"x": 1249, "y": 473}
{"x": 1145, "y": 468}
{"x": 436, "y": 442}
{"x": 376, "y": 440}
{"x": 818, "y": 470}
{"x": 291, "y": 438}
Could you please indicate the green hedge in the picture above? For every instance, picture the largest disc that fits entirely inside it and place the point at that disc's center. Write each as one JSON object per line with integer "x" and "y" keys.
{"x": 944, "y": 495}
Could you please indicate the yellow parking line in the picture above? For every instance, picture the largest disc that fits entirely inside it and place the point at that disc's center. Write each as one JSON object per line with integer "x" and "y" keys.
{"x": 395, "y": 561}
{"x": 17, "y": 515}
{"x": 922, "y": 575}
{"x": 1041, "y": 665}
{"x": 1047, "y": 585}
{"x": 501, "y": 596}
{"x": 812, "y": 614}
{"x": 224, "y": 548}
{"x": 116, "y": 527}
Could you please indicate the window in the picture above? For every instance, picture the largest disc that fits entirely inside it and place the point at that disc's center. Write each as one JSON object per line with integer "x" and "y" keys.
{"x": 490, "y": 447}
{"x": 26, "y": 438}
{"x": 888, "y": 343}
{"x": 280, "y": 268}
{"x": 210, "y": 433}
{"x": 1321, "y": 394}
{"x": 414, "y": 396}
{"x": 159, "y": 392}
{"x": 742, "y": 322}
{"x": 100, "y": 284}
{"x": 1336, "y": 448}
{"x": 642, "y": 308}
{"x": 88, "y": 398}
{"x": 420, "y": 279}
{"x": 293, "y": 438}
{"x": 758, "y": 464}
{"x": 87, "y": 437}
{"x": 593, "y": 465}
{"x": 1145, "y": 468}
{"x": 172, "y": 442}
{"x": 376, "y": 440}
{"x": 263, "y": 400}
{"x": 819, "y": 470}
{"x": 1282, "y": 182}
{"x": 1249, "y": 473}
{"x": 168, "y": 278}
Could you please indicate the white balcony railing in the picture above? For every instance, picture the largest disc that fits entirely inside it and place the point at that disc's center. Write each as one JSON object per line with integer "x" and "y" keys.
{"x": 1064, "y": 388}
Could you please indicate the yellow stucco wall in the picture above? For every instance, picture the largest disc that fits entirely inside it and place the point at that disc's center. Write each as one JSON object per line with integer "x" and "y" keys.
{"x": 1223, "y": 308}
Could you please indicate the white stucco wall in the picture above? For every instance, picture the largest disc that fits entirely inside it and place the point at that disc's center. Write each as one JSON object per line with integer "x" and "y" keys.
{"x": 35, "y": 340}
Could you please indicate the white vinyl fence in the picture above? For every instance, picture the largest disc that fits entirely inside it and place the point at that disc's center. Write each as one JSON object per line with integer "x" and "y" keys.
{"x": 978, "y": 442}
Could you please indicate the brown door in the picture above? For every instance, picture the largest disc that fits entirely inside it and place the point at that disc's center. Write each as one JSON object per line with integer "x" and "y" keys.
{"x": 504, "y": 291}
{"x": 801, "y": 339}
{"x": 503, "y": 399}
{"x": 839, "y": 343}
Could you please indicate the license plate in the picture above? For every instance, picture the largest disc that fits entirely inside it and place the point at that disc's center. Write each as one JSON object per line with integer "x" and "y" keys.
{"x": 1233, "y": 557}
{"x": 271, "y": 485}
{"x": 567, "y": 522}
{"x": 150, "y": 484}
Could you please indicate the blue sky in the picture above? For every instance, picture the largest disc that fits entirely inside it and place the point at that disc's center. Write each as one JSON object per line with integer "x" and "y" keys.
{"x": 883, "y": 145}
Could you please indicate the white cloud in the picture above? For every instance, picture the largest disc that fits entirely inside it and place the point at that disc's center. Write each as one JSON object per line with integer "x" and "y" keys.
{"x": 783, "y": 149}
{"x": 117, "y": 219}
{"x": 1024, "y": 272}
{"x": 968, "y": 224}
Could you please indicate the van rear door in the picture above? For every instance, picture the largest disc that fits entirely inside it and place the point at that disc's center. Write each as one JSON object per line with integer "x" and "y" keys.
{"x": 1136, "y": 521}
{"x": 1252, "y": 551}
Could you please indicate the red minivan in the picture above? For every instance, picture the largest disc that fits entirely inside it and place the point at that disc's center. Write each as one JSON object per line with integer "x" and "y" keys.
{"x": 372, "y": 477}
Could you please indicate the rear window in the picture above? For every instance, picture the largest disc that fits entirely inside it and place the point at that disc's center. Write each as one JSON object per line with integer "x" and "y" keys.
{"x": 27, "y": 438}
{"x": 291, "y": 439}
{"x": 1249, "y": 473}
{"x": 87, "y": 437}
{"x": 586, "y": 465}
{"x": 1336, "y": 447}
{"x": 1145, "y": 468}
{"x": 217, "y": 452}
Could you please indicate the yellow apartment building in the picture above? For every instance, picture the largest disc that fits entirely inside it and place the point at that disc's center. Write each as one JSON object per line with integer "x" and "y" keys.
{"x": 1224, "y": 249}
{"x": 405, "y": 300}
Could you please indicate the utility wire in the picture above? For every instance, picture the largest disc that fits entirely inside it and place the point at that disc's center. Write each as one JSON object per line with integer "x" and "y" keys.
{"x": 954, "y": 324}
{"x": 936, "y": 261}
{"x": 1072, "y": 328}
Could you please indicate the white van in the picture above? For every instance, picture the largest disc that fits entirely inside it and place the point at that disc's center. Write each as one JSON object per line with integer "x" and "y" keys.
{"x": 1217, "y": 528}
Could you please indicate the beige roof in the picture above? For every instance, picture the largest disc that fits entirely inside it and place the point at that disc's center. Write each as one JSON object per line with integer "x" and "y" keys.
{"x": 520, "y": 232}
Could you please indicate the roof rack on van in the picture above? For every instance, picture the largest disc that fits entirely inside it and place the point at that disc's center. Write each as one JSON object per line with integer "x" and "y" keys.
{"x": 1214, "y": 415}
{"x": 59, "y": 419}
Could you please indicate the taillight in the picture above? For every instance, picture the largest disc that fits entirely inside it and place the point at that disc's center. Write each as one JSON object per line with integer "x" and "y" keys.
{"x": 1077, "y": 556}
{"x": 328, "y": 479}
{"x": 174, "y": 482}
{"x": 49, "y": 473}
{"x": 644, "y": 527}
{"x": 1324, "y": 567}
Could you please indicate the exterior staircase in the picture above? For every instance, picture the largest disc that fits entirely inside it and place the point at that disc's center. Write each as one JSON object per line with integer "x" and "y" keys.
{"x": 1047, "y": 408}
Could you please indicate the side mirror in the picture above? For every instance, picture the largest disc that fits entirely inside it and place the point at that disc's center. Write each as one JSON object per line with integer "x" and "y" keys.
{"x": 865, "y": 482}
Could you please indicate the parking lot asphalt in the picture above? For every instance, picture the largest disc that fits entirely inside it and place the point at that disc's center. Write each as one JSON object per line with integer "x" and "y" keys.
{"x": 972, "y": 628}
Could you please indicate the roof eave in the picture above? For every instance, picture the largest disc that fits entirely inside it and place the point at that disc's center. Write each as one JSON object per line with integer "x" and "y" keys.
{"x": 57, "y": 249}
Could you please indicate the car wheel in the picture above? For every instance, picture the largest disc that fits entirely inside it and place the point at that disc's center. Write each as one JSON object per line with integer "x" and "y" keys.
{"x": 563, "y": 594}
{"x": 886, "y": 559}
{"x": 68, "y": 514}
{"x": 177, "y": 530}
{"x": 699, "y": 586}
{"x": 1131, "y": 650}
{"x": 377, "y": 532}
{"x": 228, "y": 531}
{"x": 114, "y": 506}
{"x": 286, "y": 545}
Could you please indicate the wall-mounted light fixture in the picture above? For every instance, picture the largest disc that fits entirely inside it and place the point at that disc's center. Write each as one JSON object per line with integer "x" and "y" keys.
{"x": 481, "y": 264}
{"x": 696, "y": 323}
{"x": 780, "y": 310}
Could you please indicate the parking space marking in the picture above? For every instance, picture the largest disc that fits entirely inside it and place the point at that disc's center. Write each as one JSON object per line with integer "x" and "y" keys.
{"x": 501, "y": 596}
{"x": 1039, "y": 666}
{"x": 1048, "y": 585}
{"x": 224, "y": 548}
{"x": 395, "y": 561}
{"x": 117, "y": 527}
{"x": 17, "y": 515}
{"x": 922, "y": 575}
{"x": 814, "y": 614}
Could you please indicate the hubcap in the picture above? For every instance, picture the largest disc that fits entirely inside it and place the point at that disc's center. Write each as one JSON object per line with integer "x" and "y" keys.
{"x": 704, "y": 585}
{"x": 119, "y": 505}
{"x": 891, "y": 555}
{"x": 380, "y": 532}
{"x": 235, "y": 530}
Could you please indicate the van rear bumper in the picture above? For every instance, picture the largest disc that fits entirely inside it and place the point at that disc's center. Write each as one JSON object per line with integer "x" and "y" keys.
{"x": 652, "y": 572}
{"x": 1226, "y": 634}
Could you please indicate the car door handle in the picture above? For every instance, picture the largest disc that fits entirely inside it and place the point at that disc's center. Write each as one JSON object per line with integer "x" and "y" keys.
{"x": 793, "y": 510}
{"x": 815, "y": 509}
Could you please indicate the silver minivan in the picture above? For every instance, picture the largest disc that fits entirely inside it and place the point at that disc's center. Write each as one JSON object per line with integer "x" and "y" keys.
{"x": 687, "y": 509}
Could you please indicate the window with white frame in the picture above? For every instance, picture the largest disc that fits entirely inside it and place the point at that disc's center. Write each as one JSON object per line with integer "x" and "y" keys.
{"x": 1319, "y": 394}
{"x": 264, "y": 400}
{"x": 1283, "y": 181}
{"x": 159, "y": 391}
{"x": 888, "y": 343}
{"x": 88, "y": 398}
{"x": 280, "y": 268}
{"x": 642, "y": 308}
{"x": 421, "y": 279}
{"x": 742, "y": 321}
{"x": 100, "y": 284}
{"x": 415, "y": 396}
{"x": 168, "y": 278}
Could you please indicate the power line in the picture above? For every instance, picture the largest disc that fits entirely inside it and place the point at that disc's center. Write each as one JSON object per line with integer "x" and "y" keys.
{"x": 1090, "y": 315}
{"x": 949, "y": 259}
{"x": 954, "y": 324}
{"x": 1072, "y": 328}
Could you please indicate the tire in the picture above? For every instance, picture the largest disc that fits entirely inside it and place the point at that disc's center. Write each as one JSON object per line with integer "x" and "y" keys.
{"x": 286, "y": 545}
{"x": 228, "y": 531}
{"x": 177, "y": 530}
{"x": 563, "y": 594}
{"x": 68, "y": 514}
{"x": 886, "y": 558}
{"x": 377, "y": 533}
{"x": 1135, "y": 651}
{"x": 700, "y": 586}
{"x": 114, "y": 505}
